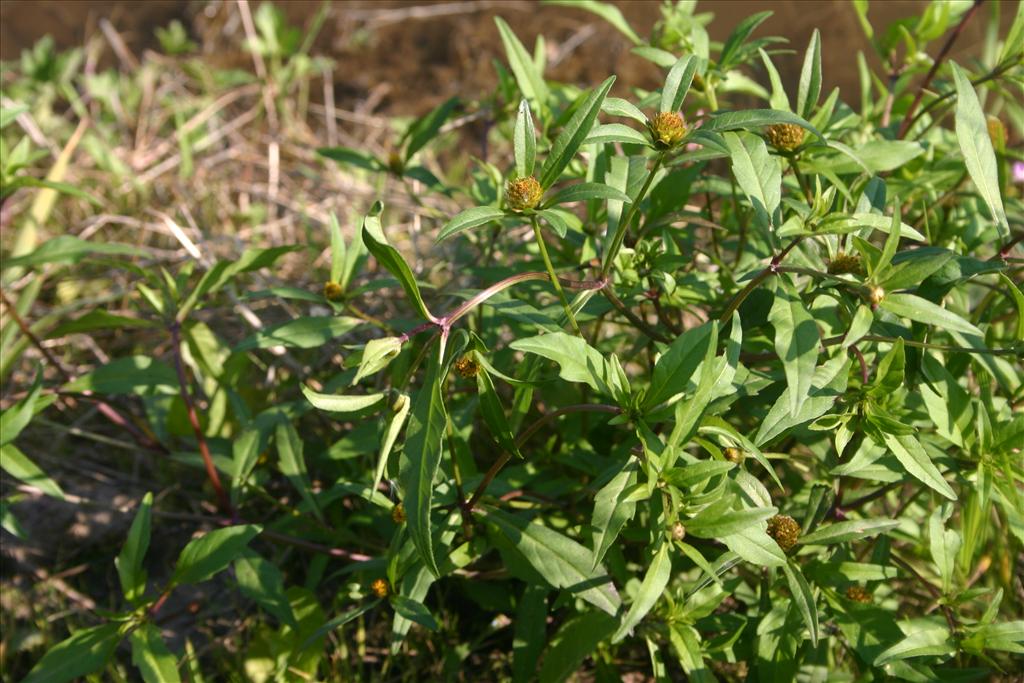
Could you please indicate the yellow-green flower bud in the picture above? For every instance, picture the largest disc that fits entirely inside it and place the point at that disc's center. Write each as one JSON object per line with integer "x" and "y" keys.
{"x": 785, "y": 530}
{"x": 523, "y": 194}
{"x": 667, "y": 129}
{"x": 735, "y": 455}
{"x": 398, "y": 513}
{"x": 678, "y": 531}
{"x": 845, "y": 263}
{"x": 785, "y": 136}
{"x": 333, "y": 291}
{"x": 395, "y": 163}
{"x": 858, "y": 594}
{"x": 876, "y": 295}
{"x": 379, "y": 588}
{"x": 467, "y": 367}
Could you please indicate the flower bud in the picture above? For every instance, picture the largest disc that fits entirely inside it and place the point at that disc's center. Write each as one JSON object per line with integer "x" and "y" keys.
{"x": 858, "y": 594}
{"x": 395, "y": 163}
{"x": 735, "y": 455}
{"x": 667, "y": 128}
{"x": 398, "y": 513}
{"x": 379, "y": 588}
{"x": 876, "y": 295}
{"x": 785, "y": 136}
{"x": 333, "y": 291}
{"x": 698, "y": 83}
{"x": 467, "y": 367}
{"x": 523, "y": 194}
{"x": 845, "y": 263}
{"x": 678, "y": 531}
{"x": 785, "y": 530}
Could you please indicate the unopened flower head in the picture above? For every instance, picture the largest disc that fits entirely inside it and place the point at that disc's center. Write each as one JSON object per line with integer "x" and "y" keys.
{"x": 333, "y": 291}
{"x": 667, "y": 129}
{"x": 785, "y": 530}
{"x": 523, "y": 194}
{"x": 845, "y": 263}
{"x": 379, "y": 588}
{"x": 735, "y": 455}
{"x": 876, "y": 295}
{"x": 785, "y": 136}
{"x": 398, "y": 513}
{"x": 678, "y": 531}
{"x": 467, "y": 367}
{"x": 858, "y": 594}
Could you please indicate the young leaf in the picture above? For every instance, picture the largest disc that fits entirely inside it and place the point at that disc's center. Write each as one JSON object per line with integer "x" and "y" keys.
{"x": 528, "y": 77}
{"x": 470, "y": 218}
{"x": 524, "y": 141}
{"x": 851, "y": 530}
{"x": 976, "y": 145}
{"x": 85, "y": 652}
{"x": 810, "y": 78}
{"x": 414, "y": 611}
{"x": 575, "y": 641}
{"x": 18, "y": 465}
{"x": 796, "y": 343}
{"x": 261, "y": 581}
{"x": 911, "y": 454}
{"x": 568, "y": 142}
{"x": 677, "y": 83}
{"x": 388, "y": 256}
{"x": 129, "y": 561}
{"x": 655, "y": 580}
{"x": 758, "y": 174}
{"x": 394, "y": 426}
{"x": 421, "y": 457}
{"x": 579, "y": 192}
{"x": 212, "y": 553}
{"x": 738, "y": 36}
{"x": 423, "y": 130}
{"x": 337, "y": 403}
{"x": 292, "y": 463}
{"x": 529, "y": 638}
{"x": 801, "y": 593}
{"x": 301, "y": 333}
{"x": 612, "y": 509}
{"x": 151, "y": 657}
{"x": 562, "y": 562}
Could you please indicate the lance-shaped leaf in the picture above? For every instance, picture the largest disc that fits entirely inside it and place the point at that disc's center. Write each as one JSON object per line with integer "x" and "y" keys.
{"x": 528, "y": 642}
{"x": 810, "y": 78}
{"x": 612, "y": 509}
{"x": 719, "y": 519}
{"x": 400, "y": 411}
{"x": 292, "y": 463}
{"x": 337, "y": 403}
{"x": 494, "y": 413}
{"x": 758, "y": 174}
{"x": 83, "y": 653}
{"x": 524, "y": 141}
{"x": 576, "y": 640}
{"x": 851, "y": 530}
{"x": 424, "y": 129}
{"x": 470, "y": 218}
{"x": 921, "y": 310}
{"x": 731, "y": 46}
{"x": 796, "y": 343}
{"x": 307, "y": 332}
{"x": 377, "y": 354}
{"x": 421, "y": 458}
{"x": 677, "y": 83}
{"x": 129, "y": 561}
{"x": 19, "y": 466}
{"x": 803, "y": 597}
{"x": 205, "y": 556}
{"x": 562, "y": 562}
{"x": 912, "y": 455}
{"x": 655, "y": 580}
{"x": 616, "y": 132}
{"x": 750, "y": 119}
{"x": 577, "y": 360}
{"x": 415, "y": 611}
{"x": 151, "y": 657}
{"x": 388, "y": 256}
{"x": 573, "y": 134}
{"x": 529, "y": 78}
{"x": 616, "y": 106}
{"x": 261, "y": 580}
{"x": 976, "y": 145}
{"x": 677, "y": 364}
{"x": 582, "y": 191}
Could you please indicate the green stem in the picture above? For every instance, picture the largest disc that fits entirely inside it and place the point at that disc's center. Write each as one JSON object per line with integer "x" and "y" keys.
{"x": 554, "y": 277}
{"x": 620, "y": 231}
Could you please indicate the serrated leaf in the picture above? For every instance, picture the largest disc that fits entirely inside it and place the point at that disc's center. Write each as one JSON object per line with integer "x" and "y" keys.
{"x": 562, "y": 562}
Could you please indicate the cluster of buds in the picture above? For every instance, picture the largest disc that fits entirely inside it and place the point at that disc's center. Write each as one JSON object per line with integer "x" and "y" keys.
{"x": 785, "y": 136}
{"x": 398, "y": 513}
{"x": 734, "y": 455}
{"x": 785, "y": 530}
{"x": 467, "y": 367}
{"x": 523, "y": 194}
{"x": 333, "y": 291}
{"x": 845, "y": 263}
{"x": 667, "y": 129}
{"x": 379, "y": 587}
{"x": 858, "y": 594}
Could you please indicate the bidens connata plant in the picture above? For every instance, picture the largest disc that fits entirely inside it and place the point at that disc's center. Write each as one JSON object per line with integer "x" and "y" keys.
{"x": 737, "y": 389}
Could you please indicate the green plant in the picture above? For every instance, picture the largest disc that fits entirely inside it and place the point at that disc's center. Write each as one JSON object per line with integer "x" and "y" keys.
{"x": 736, "y": 391}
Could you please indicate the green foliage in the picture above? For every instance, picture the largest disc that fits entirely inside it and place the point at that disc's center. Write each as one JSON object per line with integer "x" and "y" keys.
{"x": 746, "y": 406}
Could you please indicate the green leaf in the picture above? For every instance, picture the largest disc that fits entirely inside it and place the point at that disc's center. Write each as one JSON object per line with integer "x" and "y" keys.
{"x": 754, "y": 545}
{"x": 677, "y": 84}
{"x": 421, "y": 457}
{"x": 689, "y": 412}
{"x": 739, "y": 35}
{"x": 494, "y": 414}
{"x": 67, "y": 250}
{"x": 976, "y": 145}
{"x": 530, "y": 635}
{"x": 261, "y": 581}
{"x": 212, "y": 553}
{"x": 98, "y": 319}
{"x": 400, "y": 411}
{"x": 292, "y": 463}
{"x": 577, "y": 639}
{"x": 677, "y": 364}
{"x": 245, "y": 453}
{"x": 555, "y": 221}
{"x": 414, "y": 611}
{"x": 842, "y": 224}
{"x": 890, "y": 374}
{"x": 528, "y": 77}
{"x": 129, "y": 561}
{"x": 944, "y": 545}
{"x": 616, "y": 132}
{"x": 686, "y": 642}
{"x": 151, "y": 657}
{"x": 695, "y": 473}
{"x": 388, "y": 256}
{"x": 577, "y": 360}
{"x": 339, "y": 621}
{"x": 470, "y": 218}
{"x": 85, "y": 652}
{"x": 132, "y": 375}
{"x": 796, "y": 343}
{"x": 749, "y": 119}
{"x": 616, "y": 106}
{"x": 654, "y": 583}
{"x": 223, "y": 272}
{"x": 562, "y": 562}
{"x": 424, "y": 129}
{"x": 377, "y": 354}
{"x": 851, "y": 530}
{"x": 16, "y": 418}
{"x": 612, "y": 509}
{"x": 828, "y": 384}
{"x": 926, "y": 639}
{"x": 569, "y": 140}
{"x": 921, "y": 310}
{"x": 352, "y": 157}
{"x": 810, "y": 78}
{"x": 337, "y": 403}
{"x": 758, "y": 174}
{"x": 911, "y": 454}
{"x": 605, "y": 10}
{"x": 301, "y": 333}
{"x": 718, "y": 520}
{"x": 18, "y": 465}
{"x": 524, "y": 141}
{"x": 579, "y": 192}
{"x": 803, "y": 597}
{"x": 1018, "y": 300}
{"x": 779, "y": 100}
